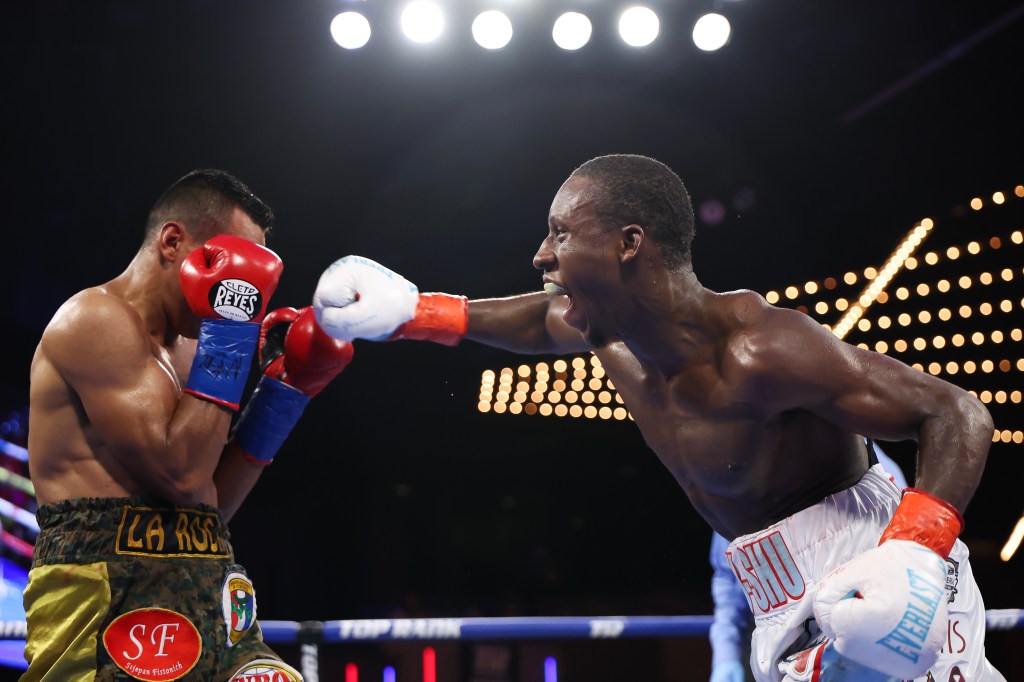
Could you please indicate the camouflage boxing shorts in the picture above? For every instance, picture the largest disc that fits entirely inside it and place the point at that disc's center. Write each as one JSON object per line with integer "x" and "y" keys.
{"x": 138, "y": 589}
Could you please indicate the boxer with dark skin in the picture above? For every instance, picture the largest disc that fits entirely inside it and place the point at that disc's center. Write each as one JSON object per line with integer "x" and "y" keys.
{"x": 759, "y": 412}
{"x": 135, "y": 385}
{"x": 739, "y": 399}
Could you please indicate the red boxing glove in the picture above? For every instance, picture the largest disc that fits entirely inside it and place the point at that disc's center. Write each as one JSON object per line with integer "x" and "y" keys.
{"x": 296, "y": 351}
{"x": 230, "y": 278}
{"x": 298, "y": 360}
{"x": 925, "y": 519}
{"x": 441, "y": 318}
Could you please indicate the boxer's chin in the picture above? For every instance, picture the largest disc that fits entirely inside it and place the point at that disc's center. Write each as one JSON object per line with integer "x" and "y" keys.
{"x": 595, "y": 337}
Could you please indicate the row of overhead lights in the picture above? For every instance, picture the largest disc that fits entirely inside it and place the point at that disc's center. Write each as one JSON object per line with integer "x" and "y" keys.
{"x": 423, "y": 21}
{"x": 952, "y": 253}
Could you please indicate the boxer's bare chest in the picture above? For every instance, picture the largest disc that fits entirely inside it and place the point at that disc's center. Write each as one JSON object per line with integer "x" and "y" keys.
{"x": 740, "y": 464}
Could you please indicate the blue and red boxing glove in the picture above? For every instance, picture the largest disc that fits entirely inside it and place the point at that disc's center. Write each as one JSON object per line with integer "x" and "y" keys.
{"x": 298, "y": 360}
{"x": 227, "y": 282}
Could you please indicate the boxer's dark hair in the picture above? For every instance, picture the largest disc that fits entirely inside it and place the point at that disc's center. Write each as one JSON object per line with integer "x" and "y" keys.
{"x": 203, "y": 199}
{"x": 638, "y": 190}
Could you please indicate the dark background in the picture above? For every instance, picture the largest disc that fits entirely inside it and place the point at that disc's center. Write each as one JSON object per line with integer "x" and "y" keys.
{"x": 825, "y": 129}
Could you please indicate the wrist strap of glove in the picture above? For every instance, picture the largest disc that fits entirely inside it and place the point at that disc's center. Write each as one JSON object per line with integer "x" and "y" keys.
{"x": 222, "y": 362}
{"x": 268, "y": 418}
{"x": 441, "y": 318}
{"x": 925, "y": 519}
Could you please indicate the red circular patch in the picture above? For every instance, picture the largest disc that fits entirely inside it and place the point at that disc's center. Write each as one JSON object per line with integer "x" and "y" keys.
{"x": 156, "y": 645}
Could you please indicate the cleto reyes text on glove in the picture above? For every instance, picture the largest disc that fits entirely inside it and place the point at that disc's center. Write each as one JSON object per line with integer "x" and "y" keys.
{"x": 227, "y": 282}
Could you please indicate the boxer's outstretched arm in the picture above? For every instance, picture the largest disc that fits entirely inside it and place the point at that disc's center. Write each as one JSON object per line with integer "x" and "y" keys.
{"x": 357, "y": 298}
{"x": 530, "y": 323}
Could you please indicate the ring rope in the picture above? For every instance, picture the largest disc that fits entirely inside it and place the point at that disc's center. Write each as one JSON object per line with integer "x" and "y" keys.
{"x": 16, "y": 544}
{"x": 15, "y": 513}
{"x": 17, "y": 481}
{"x": 552, "y": 627}
{"x": 12, "y": 450}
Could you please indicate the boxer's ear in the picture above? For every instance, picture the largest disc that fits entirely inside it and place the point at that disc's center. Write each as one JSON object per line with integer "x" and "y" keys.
{"x": 171, "y": 241}
{"x": 632, "y": 238}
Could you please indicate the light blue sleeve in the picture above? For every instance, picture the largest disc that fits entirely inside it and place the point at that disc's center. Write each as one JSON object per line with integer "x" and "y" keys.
{"x": 890, "y": 466}
{"x": 730, "y": 629}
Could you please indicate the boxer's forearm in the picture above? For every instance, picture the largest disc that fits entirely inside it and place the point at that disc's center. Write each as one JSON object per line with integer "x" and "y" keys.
{"x": 528, "y": 323}
{"x": 952, "y": 452}
{"x": 234, "y": 479}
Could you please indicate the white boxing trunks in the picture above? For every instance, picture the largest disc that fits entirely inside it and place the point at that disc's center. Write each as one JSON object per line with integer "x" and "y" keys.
{"x": 780, "y": 567}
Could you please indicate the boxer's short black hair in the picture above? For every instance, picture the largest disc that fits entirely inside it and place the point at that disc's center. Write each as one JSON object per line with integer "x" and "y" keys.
{"x": 632, "y": 189}
{"x": 203, "y": 199}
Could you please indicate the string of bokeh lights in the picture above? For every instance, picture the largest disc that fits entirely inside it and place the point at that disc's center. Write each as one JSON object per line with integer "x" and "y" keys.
{"x": 426, "y": 21}
{"x": 578, "y": 387}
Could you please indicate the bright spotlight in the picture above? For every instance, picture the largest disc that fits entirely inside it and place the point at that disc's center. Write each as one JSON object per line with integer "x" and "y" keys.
{"x": 422, "y": 21}
{"x": 350, "y": 30}
{"x": 638, "y": 26}
{"x": 571, "y": 31}
{"x": 711, "y": 32}
{"x": 492, "y": 30}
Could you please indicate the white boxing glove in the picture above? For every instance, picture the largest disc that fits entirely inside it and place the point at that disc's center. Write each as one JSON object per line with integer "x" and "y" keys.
{"x": 887, "y": 608}
{"x": 357, "y": 298}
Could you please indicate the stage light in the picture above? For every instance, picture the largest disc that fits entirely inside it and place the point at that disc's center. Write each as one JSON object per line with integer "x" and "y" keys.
{"x": 550, "y": 669}
{"x": 571, "y": 31}
{"x": 711, "y": 32}
{"x": 350, "y": 30}
{"x": 638, "y": 26}
{"x": 1013, "y": 542}
{"x": 422, "y": 21}
{"x": 492, "y": 30}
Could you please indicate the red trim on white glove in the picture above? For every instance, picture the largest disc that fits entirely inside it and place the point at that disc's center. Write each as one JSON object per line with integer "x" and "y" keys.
{"x": 441, "y": 318}
{"x": 925, "y": 519}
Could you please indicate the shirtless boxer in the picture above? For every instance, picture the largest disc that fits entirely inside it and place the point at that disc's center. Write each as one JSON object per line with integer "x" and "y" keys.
{"x": 757, "y": 411}
{"x": 133, "y": 388}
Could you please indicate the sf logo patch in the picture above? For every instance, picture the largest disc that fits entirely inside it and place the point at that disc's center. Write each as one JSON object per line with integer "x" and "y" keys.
{"x": 153, "y": 644}
{"x": 239, "y": 603}
{"x": 235, "y": 299}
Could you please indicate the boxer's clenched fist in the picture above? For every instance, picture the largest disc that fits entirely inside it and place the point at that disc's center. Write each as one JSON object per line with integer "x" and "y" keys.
{"x": 227, "y": 282}
{"x": 357, "y": 298}
{"x": 293, "y": 349}
{"x": 887, "y": 607}
{"x": 298, "y": 360}
{"x": 230, "y": 278}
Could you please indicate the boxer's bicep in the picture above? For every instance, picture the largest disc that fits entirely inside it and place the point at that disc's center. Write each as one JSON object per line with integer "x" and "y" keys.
{"x": 792, "y": 362}
{"x": 127, "y": 395}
